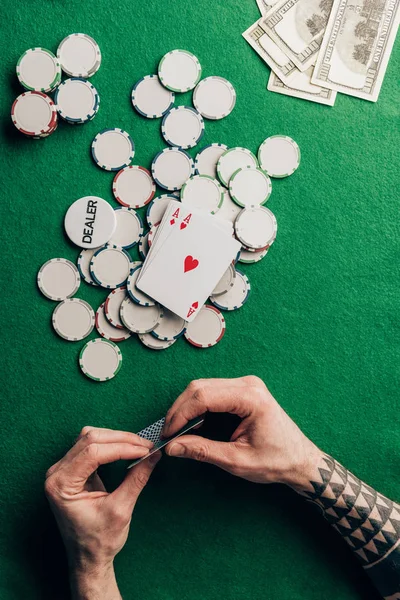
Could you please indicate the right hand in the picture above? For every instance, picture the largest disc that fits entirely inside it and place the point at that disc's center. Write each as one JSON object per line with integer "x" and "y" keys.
{"x": 267, "y": 446}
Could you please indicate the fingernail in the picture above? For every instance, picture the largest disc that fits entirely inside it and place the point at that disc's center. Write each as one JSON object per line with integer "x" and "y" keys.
{"x": 154, "y": 458}
{"x": 176, "y": 450}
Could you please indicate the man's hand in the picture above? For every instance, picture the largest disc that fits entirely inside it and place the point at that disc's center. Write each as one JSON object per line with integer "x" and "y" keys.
{"x": 267, "y": 446}
{"x": 93, "y": 523}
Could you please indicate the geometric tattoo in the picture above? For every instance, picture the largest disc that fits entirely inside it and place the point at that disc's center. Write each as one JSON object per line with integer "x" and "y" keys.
{"x": 367, "y": 520}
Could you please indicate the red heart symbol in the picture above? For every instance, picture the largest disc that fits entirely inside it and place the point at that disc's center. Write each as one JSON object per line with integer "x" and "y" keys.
{"x": 183, "y": 225}
{"x": 190, "y": 263}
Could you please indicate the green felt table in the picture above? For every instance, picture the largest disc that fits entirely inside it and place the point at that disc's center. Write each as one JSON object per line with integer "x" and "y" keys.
{"x": 321, "y": 326}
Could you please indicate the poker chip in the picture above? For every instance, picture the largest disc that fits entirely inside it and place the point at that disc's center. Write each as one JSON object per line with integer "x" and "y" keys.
{"x": 113, "y": 149}
{"x": 144, "y": 245}
{"x": 248, "y": 258}
{"x": 151, "y": 234}
{"x": 58, "y": 279}
{"x": 206, "y": 160}
{"x": 129, "y": 228}
{"x": 204, "y": 192}
{"x": 79, "y": 55}
{"x": 207, "y": 329}
{"x": 100, "y": 359}
{"x": 279, "y": 156}
{"x": 171, "y": 168}
{"x": 112, "y": 306}
{"x": 179, "y": 71}
{"x": 150, "y": 98}
{"x": 232, "y": 160}
{"x": 133, "y": 187}
{"x": 183, "y": 127}
{"x": 157, "y": 208}
{"x": 236, "y": 296}
{"x": 170, "y": 327}
{"x": 134, "y": 293}
{"x": 214, "y": 97}
{"x": 154, "y": 343}
{"x": 73, "y": 319}
{"x": 83, "y": 264}
{"x": 250, "y": 187}
{"x": 229, "y": 210}
{"x": 77, "y": 100}
{"x": 108, "y": 331}
{"x": 256, "y": 227}
{"x": 34, "y": 114}
{"x": 110, "y": 266}
{"x": 140, "y": 319}
{"x": 38, "y": 70}
{"x": 226, "y": 282}
{"x": 90, "y": 222}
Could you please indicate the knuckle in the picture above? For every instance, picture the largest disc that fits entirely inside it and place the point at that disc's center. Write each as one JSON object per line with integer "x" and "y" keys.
{"x": 91, "y": 436}
{"x": 254, "y": 381}
{"x": 200, "y": 453}
{"x": 91, "y": 451}
{"x": 120, "y": 515}
{"x": 141, "y": 480}
{"x": 85, "y": 430}
{"x": 194, "y": 385}
{"x": 50, "y": 487}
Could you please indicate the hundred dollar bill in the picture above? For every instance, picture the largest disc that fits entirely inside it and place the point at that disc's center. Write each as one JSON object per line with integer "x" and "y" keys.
{"x": 269, "y": 52}
{"x": 297, "y": 27}
{"x": 356, "y": 47}
{"x": 301, "y": 87}
{"x": 264, "y": 6}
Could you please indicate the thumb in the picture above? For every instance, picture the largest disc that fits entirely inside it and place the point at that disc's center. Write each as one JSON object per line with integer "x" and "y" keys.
{"x": 221, "y": 454}
{"x": 136, "y": 479}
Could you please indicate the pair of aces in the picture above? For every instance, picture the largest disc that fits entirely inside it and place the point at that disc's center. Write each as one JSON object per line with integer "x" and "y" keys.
{"x": 190, "y": 253}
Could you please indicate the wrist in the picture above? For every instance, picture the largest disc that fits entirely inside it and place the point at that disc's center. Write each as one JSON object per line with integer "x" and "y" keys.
{"x": 90, "y": 580}
{"x": 305, "y": 468}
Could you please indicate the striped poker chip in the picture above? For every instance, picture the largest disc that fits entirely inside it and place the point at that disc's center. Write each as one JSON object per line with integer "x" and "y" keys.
{"x": 38, "y": 70}
{"x": 108, "y": 331}
{"x": 112, "y": 306}
{"x": 179, "y": 71}
{"x": 207, "y": 329}
{"x": 113, "y": 149}
{"x": 140, "y": 319}
{"x": 34, "y": 114}
{"x": 154, "y": 343}
{"x": 58, "y": 279}
{"x": 204, "y": 192}
{"x": 143, "y": 246}
{"x": 182, "y": 127}
{"x": 171, "y": 168}
{"x": 229, "y": 210}
{"x": 248, "y": 258}
{"x": 236, "y": 296}
{"x": 206, "y": 160}
{"x": 151, "y": 234}
{"x": 256, "y": 228}
{"x": 250, "y": 187}
{"x": 170, "y": 328}
{"x": 150, "y": 98}
{"x": 214, "y": 97}
{"x": 79, "y": 55}
{"x": 279, "y": 156}
{"x": 100, "y": 359}
{"x": 226, "y": 282}
{"x": 77, "y": 100}
{"x": 73, "y": 319}
{"x": 232, "y": 160}
{"x": 110, "y": 266}
{"x": 157, "y": 208}
{"x": 83, "y": 264}
{"x": 133, "y": 187}
{"x": 129, "y": 228}
{"x": 134, "y": 293}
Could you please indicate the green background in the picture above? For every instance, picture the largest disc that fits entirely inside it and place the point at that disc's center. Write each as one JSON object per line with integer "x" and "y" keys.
{"x": 321, "y": 326}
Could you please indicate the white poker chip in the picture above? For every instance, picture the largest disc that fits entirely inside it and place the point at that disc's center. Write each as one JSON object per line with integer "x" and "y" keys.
{"x": 157, "y": 208}
{"x": 133, "y": 187}
{"x": 170, "y": 327}
{"x": 229, "y": 210}
{"x": 232, "y": 160}
{"x": 151, "y": 234}
{"x": 250, "y": 187}
{"x": 100, "y": 359}
{"x": 134, "y": 293}
{"x": 171, "y": 168}
{"x": 140, "y": 319}
{"x": 34, "y": 114}
{"x": 150, "y": 98}
{"x": 83, "y": 264}
{"x": 204, "y": 192}
{"x": 279, "y": 156}
{"x": 73, "y": 319}
{"x": 206, "y": 160}
{"x": 236, "y": 296}
{"x": 110, "y": 266}
{"x": 207, "y": 329}
{"x": 77, "y": 100}
{"x": 38, "y": 70}
{"x": 113, "y": 149}
{"x": 154, "y": 343}
{"x": 129, "y": 228}
{"x": 183, "y": 127}
{"x": 256, "y": 227}
{"x": 248, "y": 258}
{"x": 58, "y": 279}
{"x": 79, "y": 55}
{"x": 90, "y": 222}
{"x": 179, "y": 71}
{"x": 226, "y": 282}
{"x": 143, "y": 246}
{"x": 112, "y": 306}
{"x": 214, "y": 97}
{"x": 108, "y": 331}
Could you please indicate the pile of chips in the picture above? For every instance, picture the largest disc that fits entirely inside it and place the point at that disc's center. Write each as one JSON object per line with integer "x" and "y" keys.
{"x": 34, "y": 113}
{"x": 230, "y": 183}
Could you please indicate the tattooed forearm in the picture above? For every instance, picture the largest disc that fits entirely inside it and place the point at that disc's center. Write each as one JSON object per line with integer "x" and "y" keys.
{"x": 369, "y": 522}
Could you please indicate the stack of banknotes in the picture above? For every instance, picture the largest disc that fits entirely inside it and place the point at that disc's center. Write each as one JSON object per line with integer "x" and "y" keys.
{"x": 316, "y": 48}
